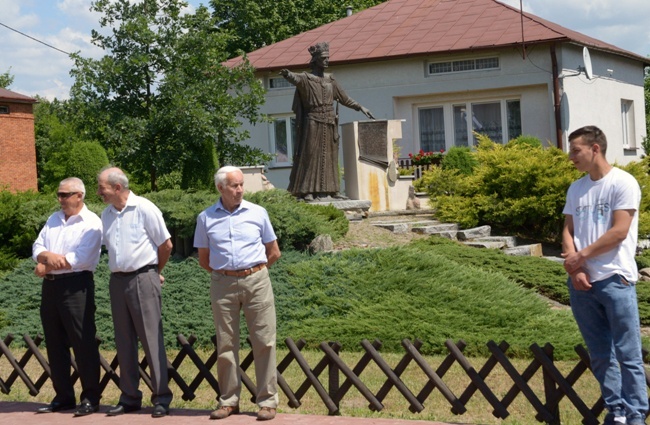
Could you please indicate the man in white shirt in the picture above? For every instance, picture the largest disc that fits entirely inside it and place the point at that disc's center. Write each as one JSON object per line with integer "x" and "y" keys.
{"x": 139, "y": 246}
{"x": 67, "y": 252}
{"x": 599, "y": 243}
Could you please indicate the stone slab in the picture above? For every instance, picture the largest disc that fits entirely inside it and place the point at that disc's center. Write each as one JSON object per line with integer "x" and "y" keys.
{"x": 489, "y": 245}
{"x": 534, "y": 250}
{"x": 473, "y": 233}
{"x": 509, "y": 241}
{"x": 436, "y": 228}
{"x": 346, "y": 204}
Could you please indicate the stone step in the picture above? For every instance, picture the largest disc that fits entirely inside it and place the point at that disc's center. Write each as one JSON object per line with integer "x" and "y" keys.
{"x": 509, "y": 241}
{"x": 534, "y": 250}
{"x": 435, "y": 228}
{"x": 402, "y": 226}
{"x": 489, "y": 245}
{"x": 474, "y": 233}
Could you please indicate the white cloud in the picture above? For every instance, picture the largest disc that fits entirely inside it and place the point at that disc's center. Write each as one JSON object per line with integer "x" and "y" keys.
{"x": 621, "y": 22}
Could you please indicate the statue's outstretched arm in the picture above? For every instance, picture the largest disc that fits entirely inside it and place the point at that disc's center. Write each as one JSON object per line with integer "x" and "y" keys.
{"x": 367, "y": 113}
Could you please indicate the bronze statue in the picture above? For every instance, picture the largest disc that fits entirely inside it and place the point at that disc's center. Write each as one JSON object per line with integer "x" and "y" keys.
{"x": 315, "y": 171}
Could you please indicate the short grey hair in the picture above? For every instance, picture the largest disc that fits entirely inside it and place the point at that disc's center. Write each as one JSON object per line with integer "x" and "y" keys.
{"x": 221, "y": 175}
{"x": 116, "y": 176}
{"x": 76, "y": 184}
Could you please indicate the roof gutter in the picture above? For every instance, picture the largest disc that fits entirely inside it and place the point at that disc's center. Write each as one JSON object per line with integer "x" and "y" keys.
{"x": 556, "y": 98}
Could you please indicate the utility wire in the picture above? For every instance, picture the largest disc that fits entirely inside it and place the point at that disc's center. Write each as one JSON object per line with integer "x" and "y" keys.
{"x": 35, "y": 39}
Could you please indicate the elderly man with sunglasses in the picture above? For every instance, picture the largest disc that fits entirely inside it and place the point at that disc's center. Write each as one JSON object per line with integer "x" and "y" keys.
{"x": 67, "y": 251}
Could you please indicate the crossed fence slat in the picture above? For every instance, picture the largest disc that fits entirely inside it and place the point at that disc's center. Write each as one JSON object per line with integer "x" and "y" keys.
{"x": 556, "y": 386}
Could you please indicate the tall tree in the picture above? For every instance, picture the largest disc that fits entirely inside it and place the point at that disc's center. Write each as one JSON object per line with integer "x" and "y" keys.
{"x": 160, "y": 99}
{"x": 252, "y": 24}
{"x": 6, "y": 79}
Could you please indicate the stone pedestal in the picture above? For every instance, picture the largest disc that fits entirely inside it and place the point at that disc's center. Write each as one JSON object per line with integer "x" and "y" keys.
{"x": 368, "y": 166}
{"x": 253, "y": 178}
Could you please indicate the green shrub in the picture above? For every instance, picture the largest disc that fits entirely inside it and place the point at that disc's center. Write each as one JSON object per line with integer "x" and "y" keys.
{"x": 515, "y": 189}
{"x": 180, "y": 208}
{"x": 525, "y": 141}
{"x": 640, "y": 170}
{"x": 22, "y": 215}
{"x": 459, "y": 158}
{"x": 295, "y": 223}
{"x": 75, "y": 159}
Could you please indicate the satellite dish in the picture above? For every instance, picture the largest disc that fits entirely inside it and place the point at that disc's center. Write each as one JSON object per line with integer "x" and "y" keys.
{"x": 586, "y": 59}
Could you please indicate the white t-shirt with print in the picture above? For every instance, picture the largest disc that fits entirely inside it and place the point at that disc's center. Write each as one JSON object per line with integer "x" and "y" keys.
{"x": 591, "y": 203}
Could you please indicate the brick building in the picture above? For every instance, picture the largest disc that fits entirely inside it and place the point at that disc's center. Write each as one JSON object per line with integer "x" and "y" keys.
{"x": 17, "y": 142}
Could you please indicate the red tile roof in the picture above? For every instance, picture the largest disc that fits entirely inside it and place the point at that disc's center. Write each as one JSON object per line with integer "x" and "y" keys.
{"x": 404, "y": 28}
{"x": 8, "y": 95}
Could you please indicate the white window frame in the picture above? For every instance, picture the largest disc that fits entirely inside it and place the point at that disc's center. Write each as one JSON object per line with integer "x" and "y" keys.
{"x": 290, "y": 143}
{"x": 448, "y": 116}
{"x": 454, "y": 66}
{"x": 628, "y": 124}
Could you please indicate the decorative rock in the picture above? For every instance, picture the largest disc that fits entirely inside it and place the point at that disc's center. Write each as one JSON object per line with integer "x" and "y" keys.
{"x": 476, "y": 232}
{"x": 321, "y": 243}
{"x": 412, "y": 202}
{"x": 644, "y": 274}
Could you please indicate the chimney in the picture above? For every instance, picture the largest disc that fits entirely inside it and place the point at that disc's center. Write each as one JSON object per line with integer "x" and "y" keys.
{"x": 349, "y": 11}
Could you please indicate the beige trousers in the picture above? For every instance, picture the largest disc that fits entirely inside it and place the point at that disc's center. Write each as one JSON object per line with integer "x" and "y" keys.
{"x": 254, "y": 295}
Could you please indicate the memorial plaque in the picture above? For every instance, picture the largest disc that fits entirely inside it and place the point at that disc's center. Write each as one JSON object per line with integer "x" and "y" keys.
{"x": 373, "y": 142}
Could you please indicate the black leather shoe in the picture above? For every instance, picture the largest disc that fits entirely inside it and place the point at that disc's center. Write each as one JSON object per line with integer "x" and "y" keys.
{"x": 86, "y": 408}
{"x": 160, "y": 410}
{"x": 121, "y": 409}
{"x": 55, "y": 406}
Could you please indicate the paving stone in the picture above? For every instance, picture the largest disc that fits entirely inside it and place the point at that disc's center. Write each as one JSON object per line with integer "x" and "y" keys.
{"x": 394, "y": 227}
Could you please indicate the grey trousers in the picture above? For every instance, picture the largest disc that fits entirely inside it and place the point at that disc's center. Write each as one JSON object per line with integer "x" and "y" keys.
{"x": 254, "y": 295}
{"x": 136, "y": 306}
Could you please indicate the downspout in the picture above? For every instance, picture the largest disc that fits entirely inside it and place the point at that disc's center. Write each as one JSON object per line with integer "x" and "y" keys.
{"x": 556, "y": 99}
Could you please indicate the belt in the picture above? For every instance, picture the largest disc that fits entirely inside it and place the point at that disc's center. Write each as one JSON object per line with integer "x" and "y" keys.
{"x": 242, "y": 272}
{"x": 65, "y": 275}
{"x": 140, "y": 270}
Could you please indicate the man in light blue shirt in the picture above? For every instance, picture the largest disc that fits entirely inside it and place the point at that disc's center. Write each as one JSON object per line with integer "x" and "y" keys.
{"x": 237, "y": 244}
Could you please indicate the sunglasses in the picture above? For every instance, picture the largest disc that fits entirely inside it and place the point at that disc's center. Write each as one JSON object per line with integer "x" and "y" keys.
{"x": 65, "y": 195}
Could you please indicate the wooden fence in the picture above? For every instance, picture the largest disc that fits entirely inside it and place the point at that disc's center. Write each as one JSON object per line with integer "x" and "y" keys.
{"x": 332, "y": 368}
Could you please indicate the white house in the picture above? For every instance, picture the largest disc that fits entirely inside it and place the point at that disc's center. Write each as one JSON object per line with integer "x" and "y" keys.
{"x": 436, "y": 63}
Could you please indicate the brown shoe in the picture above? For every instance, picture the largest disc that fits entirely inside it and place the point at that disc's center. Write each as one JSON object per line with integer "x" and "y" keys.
{"x": 224, "y": 411}
{"x": 266, "y": 414}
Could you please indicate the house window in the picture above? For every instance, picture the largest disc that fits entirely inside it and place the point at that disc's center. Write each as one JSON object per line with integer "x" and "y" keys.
{"x": 279, "y": 83}
{"x": 500, "y": 120}
{"x": 283, "y": 134}
{"x": 486, "y": 119}
{"x": 627, "y": 121}
{"x": 513, "y": 110}
{"x": 4, "y": 109}
{"x": 432, "y": 129}
{"x": 463, "y": 65}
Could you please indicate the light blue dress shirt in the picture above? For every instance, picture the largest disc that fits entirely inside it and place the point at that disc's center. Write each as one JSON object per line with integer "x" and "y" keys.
{"x": 236, "y": 240}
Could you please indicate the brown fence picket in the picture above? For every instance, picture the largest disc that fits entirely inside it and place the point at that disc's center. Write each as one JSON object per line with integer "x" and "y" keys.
{"x": 332, "y": 392}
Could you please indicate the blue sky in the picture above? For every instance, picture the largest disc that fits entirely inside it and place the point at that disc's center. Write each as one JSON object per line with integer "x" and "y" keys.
{"x": 66, "y": 25}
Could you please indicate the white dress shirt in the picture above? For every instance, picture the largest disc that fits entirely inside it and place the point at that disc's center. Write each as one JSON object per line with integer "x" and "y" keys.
{"x": 79, "y": 239}
{"x": 133, "y": 235}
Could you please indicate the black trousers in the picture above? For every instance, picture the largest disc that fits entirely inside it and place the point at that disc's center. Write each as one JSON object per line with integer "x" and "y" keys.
{"x": 68, "y": 318}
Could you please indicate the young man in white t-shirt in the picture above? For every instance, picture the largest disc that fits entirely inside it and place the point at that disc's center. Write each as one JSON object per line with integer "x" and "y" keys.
{"x": 599, "y": 243}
